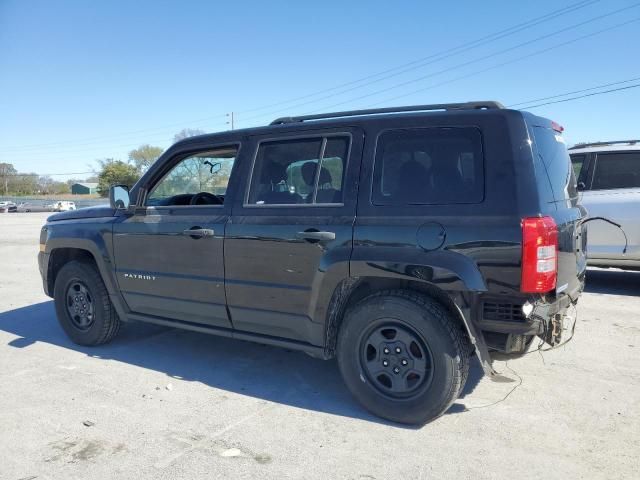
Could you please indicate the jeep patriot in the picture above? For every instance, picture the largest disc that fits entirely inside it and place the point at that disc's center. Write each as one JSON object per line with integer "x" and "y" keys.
{"x": 401, "y": 241}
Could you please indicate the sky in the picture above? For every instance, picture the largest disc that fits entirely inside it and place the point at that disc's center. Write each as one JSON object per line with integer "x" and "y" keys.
{"x": 82, "y": 81}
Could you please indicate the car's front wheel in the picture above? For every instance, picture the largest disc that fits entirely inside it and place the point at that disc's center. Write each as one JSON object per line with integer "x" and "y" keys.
{"x": 83, "y": 306}
{"x": 403, "y": 356}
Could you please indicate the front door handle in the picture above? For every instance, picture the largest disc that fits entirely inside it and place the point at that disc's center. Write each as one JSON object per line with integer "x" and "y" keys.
{"x": 316, "y": 236}
{"x": 198, "y": 232}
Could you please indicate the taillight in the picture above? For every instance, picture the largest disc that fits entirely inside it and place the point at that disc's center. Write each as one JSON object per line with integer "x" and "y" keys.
{"x": 539, "y": 255}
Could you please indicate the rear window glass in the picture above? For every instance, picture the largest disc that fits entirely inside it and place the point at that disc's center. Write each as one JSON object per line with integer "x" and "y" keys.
{"x": 553, "y": 152}
{"x": 429, "y": 166}
{"x": 616, "y": 170}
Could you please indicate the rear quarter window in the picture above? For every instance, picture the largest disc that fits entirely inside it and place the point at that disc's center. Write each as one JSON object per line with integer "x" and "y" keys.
{"x": 428, "y": 166}
{"x": 578, "y": 162}
{"x": 552, "y": 151}
{"x": 616, "y": 170}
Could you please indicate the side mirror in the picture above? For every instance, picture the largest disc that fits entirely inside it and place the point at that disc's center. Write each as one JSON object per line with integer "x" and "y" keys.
{"x": 581, "y": 186}
{"x": 119, "y": 197}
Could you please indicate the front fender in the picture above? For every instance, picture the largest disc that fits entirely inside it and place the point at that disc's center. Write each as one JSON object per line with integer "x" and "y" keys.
{"x": 91, "y": 235}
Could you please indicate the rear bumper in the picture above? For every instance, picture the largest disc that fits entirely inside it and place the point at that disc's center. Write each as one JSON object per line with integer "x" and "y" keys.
{"x": 545, "y": 318}
{"x": 533, "y": 324}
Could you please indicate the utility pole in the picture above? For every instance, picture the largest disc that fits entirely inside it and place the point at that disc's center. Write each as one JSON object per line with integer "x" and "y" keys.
{"x": 232, "y": 120}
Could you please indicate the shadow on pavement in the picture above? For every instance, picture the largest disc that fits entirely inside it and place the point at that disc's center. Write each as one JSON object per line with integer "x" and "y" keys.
{"x": 613, "y": 282}
{"x": 260, "y": 371}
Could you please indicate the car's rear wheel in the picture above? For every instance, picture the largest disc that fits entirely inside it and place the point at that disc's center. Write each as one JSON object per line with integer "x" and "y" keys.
{"x": 83, "y": 306}
{"x": 403, "y": 356}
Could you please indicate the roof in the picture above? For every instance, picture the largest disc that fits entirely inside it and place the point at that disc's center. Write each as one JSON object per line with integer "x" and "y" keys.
{"x": 353, "y": 118}
{"x": 613, "y": 146}
{"x": 88, "y": 184}
{"x": 487, "y": 105}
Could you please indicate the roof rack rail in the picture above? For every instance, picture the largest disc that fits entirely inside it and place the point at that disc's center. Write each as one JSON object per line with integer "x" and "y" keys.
{"x": 602, "y": 144}
{"x": 489, "y": 105}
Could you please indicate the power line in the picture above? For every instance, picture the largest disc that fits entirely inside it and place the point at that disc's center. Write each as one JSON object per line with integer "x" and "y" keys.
{"x": 520, "y": 45}
{"x": 92, "y": 148}
{"x": 418, "y": 63}
{"x": 584, "y": 96}
{"x": 124, "y": 134}
{"x": 66, "y": 152}
{"x": 156, "y": 138}
{"x": 393, "y": 87}
{"x": 599, "y": 17}
{"x": 434, "y": 57}
{"x": 574, "y": 92}
{"x": 45, "y": 174}
{"x": 520, "y": 103}
{"x": 499, "y": 65}
{"x": 489, "y": 68}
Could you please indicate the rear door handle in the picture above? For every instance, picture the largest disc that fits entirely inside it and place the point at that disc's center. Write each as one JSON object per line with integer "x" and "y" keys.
{"x": 317, "y": 236}
{"x": 199, "y": 232}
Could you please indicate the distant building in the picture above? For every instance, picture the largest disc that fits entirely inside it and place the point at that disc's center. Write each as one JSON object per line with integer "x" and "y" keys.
{"x": 84, "y": 188}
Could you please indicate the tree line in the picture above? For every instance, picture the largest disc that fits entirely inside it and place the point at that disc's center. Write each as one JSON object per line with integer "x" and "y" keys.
{"x": 114, "y": 171}
{"x": 16, "y": 183}
{"x": 109, "y": 171}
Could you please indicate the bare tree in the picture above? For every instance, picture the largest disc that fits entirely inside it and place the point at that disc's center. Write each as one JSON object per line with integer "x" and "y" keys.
{"x": 143, "y": 156}
{"x": 6, "y": 171}
{"x": 186, "y": 133}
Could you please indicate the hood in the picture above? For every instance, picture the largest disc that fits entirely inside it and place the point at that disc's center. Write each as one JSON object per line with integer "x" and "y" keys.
{"x": 89, "y": 212}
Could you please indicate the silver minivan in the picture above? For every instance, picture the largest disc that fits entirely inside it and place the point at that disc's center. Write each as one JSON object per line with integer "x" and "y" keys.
{"x": 608, "y": 176}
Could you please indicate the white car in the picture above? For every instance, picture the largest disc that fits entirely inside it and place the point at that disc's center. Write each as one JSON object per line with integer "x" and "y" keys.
{"x": 608, "y": 176}
{"x": 63, "y": 206}
{"x": 6, "y": 206}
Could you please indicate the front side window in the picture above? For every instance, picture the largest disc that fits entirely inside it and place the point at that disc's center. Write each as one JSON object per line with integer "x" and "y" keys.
{"x": 429, "y": 166}
{"x": 617, "y": 170}
{"x": 300, "y": 171}
{"x": 204, "y": 174}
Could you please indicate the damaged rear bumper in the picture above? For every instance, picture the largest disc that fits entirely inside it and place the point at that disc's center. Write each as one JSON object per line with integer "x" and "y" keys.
{"x": 510, "y": 327}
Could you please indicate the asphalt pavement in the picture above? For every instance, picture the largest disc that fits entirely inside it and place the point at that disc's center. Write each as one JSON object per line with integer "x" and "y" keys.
{"x": 160, "y": 403}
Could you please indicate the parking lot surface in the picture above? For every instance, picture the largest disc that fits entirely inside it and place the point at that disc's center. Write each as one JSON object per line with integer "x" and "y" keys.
{"x": 161, "y": 403}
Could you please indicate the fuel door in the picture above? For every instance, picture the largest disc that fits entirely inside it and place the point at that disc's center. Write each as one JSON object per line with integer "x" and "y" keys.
{"x": 431, "y": 236}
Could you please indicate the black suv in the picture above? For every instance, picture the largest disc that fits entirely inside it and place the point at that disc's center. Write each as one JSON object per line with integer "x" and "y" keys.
{"x": 399, "y": 240}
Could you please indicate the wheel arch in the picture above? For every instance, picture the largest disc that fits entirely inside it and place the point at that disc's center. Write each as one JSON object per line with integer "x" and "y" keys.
{"x": 93, "y": 242}
{"x": 58, "y": 257}
{"x": 352, "y": 290}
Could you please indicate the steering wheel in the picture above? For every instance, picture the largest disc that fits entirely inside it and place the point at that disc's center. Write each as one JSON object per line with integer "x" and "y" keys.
{"x": 205, "y": 198}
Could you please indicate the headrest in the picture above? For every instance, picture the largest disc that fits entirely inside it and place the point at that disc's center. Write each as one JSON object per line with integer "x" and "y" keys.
{"x": 273, "y": 173}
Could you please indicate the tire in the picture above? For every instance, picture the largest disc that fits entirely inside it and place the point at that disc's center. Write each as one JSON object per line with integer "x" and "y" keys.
{"x": 421, "y": 328}
{"x": 83, "y": 306}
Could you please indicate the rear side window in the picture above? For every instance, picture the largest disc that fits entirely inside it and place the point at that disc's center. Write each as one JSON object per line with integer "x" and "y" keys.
{"x": 298, "y": 172}
{"x": 429, "y": 166}
{"x": 553, "y": 152}
{"x": 616, "y": 170}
